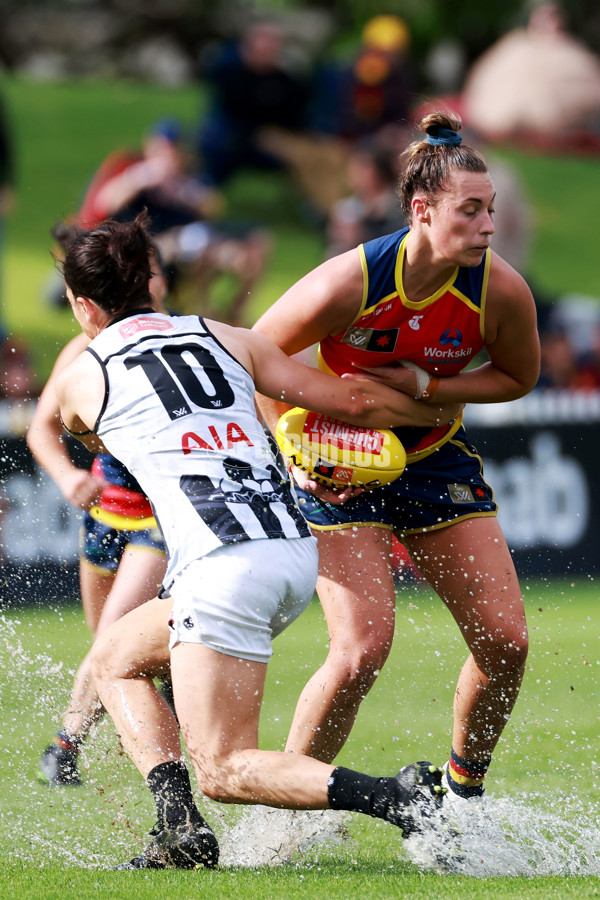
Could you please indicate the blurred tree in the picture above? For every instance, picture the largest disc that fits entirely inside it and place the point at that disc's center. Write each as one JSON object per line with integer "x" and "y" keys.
{"x": 118, "y": 25}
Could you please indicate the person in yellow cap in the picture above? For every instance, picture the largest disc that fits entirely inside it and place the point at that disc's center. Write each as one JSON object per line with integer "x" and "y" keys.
{"x": 375, "y": 89}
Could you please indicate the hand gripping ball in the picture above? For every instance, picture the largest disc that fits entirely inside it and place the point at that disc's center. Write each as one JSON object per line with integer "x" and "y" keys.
{"x": 337, "y": 454}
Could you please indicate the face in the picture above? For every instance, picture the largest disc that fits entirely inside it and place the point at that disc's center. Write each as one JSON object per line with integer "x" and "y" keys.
{"x": 79, "y": 313}
{"x": 461, "y": 221}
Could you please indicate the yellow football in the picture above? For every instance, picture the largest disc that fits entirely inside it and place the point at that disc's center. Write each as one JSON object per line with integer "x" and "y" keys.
{"x": 335, "y": 453}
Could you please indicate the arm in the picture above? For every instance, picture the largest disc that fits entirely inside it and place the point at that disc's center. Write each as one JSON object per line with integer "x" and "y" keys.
{"x": 356, "y": 400}
{"x": 325, "y": 302}
{"x": 80, "y": 394}
{"x": 512, "y": 344}
{"x": 45, "y": 437}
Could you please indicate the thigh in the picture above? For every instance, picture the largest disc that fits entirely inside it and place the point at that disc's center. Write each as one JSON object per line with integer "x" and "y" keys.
{"x": 138, "y": 644}
{"x": 470, "y": 566}
{"x": 95, "y": 585}
{"x": 356, "y": 585}
{"x": 137, "y": 580}
{"x": 218, "y": 699}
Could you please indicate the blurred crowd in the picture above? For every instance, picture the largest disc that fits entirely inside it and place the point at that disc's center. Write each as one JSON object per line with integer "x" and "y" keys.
{"x": 338, "y": 129}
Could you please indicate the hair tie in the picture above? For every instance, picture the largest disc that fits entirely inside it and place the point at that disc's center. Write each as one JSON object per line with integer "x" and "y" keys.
{"x": 444, "y": 136}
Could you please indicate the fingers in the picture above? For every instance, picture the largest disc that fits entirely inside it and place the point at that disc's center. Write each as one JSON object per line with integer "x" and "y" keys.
{"x": 333, "y": 495}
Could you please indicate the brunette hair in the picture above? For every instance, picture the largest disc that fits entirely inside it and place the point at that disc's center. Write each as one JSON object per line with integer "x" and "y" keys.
{"x": 430, "y": 161}
{"x": 110, "y": 264}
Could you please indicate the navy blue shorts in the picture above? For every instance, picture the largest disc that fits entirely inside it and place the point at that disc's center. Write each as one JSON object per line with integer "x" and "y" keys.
{"x": 103, "y": 547}
{"x": 444, "y": 487}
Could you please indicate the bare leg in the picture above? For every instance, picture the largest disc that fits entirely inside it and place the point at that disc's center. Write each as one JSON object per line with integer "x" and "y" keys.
{"x": 106, "y": 599}
{"x": 220, "y": 727}
{"x": 124, "y": 661}
{"x": 356, "y": 590}
{"x": 470, "y": 567}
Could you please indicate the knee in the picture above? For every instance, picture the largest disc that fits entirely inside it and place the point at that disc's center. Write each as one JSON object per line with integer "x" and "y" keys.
{"x": 358, "y": 662}
{"x": 215, "y": 780}
{"x": 503, "y": 652}
{"x": 103, "y": 660}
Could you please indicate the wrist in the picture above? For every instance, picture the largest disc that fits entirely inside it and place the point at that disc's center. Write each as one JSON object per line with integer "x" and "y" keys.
{"x": 429, "y": 391}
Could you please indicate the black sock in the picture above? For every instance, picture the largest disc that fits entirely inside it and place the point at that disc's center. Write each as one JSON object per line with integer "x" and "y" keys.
{"x": 169, "y": 783}
{"x": 382, "y": 798}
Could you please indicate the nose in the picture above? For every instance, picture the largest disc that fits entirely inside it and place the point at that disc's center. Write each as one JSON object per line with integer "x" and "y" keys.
{"x": 487, "y": 226}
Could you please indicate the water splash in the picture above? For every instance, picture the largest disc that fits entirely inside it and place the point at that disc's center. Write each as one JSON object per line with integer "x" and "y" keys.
{"x": 529, "y": 835}
{"x": 266, "y": 836}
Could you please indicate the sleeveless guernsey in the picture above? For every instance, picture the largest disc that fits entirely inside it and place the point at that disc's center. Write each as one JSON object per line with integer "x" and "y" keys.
{"x": 442, "y": 333}
{"x": 179, "y": 413}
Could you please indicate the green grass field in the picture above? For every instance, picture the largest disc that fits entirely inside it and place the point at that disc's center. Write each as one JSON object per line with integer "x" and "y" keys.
{"x": 543, "y": 784}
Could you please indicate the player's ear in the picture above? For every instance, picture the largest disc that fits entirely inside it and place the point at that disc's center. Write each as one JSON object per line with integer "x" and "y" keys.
{"x": 421, "y": 210}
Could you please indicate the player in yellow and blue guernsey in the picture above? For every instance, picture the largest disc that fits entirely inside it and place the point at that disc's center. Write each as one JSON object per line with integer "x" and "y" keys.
{"x": 414, "y": 309}
{"x": 441, "y": 334}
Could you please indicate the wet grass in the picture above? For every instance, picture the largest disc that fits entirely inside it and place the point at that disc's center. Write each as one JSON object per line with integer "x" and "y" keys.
{"x": 64, "y": 841}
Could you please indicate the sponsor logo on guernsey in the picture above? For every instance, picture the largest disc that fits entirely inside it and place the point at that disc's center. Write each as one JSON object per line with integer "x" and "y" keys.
{"x": 375, "y": 340}
{"x": 415, "y": 322}
{"x": 460, "y": 493}
{"x": 449, "y": 354}
{"x": 143, "y": 323}
{"x": 451, "y": 336}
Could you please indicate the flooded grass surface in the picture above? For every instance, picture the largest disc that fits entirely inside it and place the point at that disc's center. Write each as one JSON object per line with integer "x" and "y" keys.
{"x": 539, "y": 834}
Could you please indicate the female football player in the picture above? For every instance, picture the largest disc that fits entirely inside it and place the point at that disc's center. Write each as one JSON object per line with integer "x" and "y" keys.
{"x": 173, "y": 399}
{"x": 122, "y": 554}
{"x": 414, "y": 308}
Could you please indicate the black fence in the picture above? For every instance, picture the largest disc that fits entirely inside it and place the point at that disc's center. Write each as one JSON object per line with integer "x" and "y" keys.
{"x": 539, "y": 455}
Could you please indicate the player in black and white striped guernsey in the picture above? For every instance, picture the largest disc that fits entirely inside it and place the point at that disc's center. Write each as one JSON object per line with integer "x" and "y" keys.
{"x": 173, "y": 399}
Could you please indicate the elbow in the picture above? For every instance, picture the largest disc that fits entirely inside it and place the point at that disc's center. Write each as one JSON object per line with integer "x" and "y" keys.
{"x": 525, "y": 386}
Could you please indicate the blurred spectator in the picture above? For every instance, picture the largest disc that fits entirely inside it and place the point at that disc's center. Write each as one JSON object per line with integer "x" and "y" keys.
{"x": 373, "y": 207}
{"x": 6, "y": 180}
{"x": 538, "y": 84}
{"x": 251, "y": 88}
{"x": 259, "y": 117}
{"x": 570, "y": 340}
{"x": 513, "y": 215}
{"x": 560, "y": 368}
{"x": 374, "y": 90}
{"x": 17, "y": 378}
{"x": 195, "y": 243}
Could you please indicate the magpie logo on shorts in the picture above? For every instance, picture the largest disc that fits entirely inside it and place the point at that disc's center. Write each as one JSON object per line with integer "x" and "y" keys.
{"x": 188, "y": 622}
{"x": 461, "y": 493}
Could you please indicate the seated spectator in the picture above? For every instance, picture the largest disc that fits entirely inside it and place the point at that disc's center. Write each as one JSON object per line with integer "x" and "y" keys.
{"x": 537, "y": 84}
{"x": 259, "y": 117}
{"x": 197, "y": 246}
{"x": 560, "y": 367}
{"x": 373, "y": 207}
{"x": 251, "y": 87}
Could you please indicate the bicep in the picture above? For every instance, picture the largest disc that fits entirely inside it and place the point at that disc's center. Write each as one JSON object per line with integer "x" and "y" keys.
{"x": 46, "y": 415}
{"x": 323, "y": 302}
{"x": 514, "y": 347}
